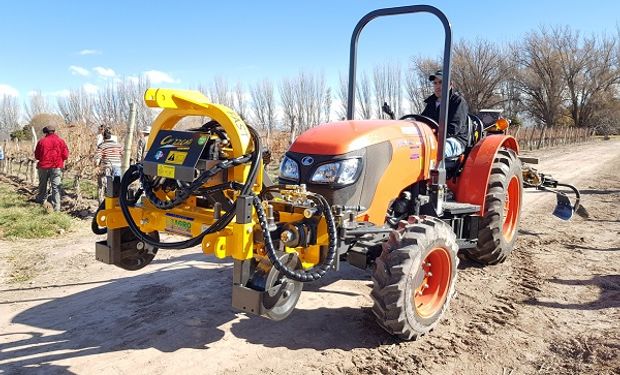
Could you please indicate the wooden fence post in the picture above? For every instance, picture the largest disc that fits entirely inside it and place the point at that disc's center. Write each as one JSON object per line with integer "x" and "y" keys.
{"x": 33, "y": 172}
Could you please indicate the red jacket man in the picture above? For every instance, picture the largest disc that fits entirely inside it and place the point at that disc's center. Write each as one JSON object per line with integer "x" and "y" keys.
{"x": 51, "y": 152}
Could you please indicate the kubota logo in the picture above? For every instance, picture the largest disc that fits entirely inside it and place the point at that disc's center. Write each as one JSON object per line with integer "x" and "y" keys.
{"x": 307, "y": 160}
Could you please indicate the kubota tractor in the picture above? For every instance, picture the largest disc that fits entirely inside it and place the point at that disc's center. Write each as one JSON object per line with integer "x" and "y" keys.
{"x": 377, "y": 194}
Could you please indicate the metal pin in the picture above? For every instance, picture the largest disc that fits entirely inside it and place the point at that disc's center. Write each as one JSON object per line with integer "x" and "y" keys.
{"x": 217, "y": 211}
{"x": 271, "y": 221}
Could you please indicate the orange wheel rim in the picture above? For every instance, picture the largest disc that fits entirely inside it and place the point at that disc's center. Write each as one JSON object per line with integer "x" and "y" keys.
{"x": 511, "y": 208}
{"x": 430, "y": 295}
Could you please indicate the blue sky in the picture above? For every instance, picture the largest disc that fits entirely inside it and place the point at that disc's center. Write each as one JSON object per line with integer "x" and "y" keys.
{"x": 54, "y": 46}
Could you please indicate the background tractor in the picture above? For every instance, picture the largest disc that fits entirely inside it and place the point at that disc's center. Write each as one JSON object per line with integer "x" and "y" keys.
{"x": 377, "y": 194}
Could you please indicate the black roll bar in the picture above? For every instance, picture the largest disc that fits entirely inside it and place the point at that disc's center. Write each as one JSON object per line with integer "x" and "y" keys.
{"x": 438, "y": 173}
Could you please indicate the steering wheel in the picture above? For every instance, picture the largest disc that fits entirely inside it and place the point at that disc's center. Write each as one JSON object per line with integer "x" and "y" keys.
{"x": 427, "y": 120}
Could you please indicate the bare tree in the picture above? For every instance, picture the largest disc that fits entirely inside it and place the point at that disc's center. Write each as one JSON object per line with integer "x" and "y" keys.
{"x": 607, "y": 120}
{"x": 287, "y": 98}
{"x": 539, "y": 77}
{"x": 220, "y": 92}
{"x": 588, "y": 70}
{"x": 10, "y": 112}
{"x": 477, "y": 72}
{"x": 509, "y": 91}
{"x": 110, "y": 106}
{"x": 240, "y": 102}
{"x": 38, "y": 105}
{"x": 135, "y": 90}
{"x": 305, "y": 100}
{"x": 77, "y": 108}
{"x": 42, "y": 120}
{"x": 363, "y": 95}
{"x": 263, "y": 106}
{"x": 417, "y": 85}
{"x": 388, "y": 87}
{"x": 326, "y": 105}
{"x": 342, "y": 96}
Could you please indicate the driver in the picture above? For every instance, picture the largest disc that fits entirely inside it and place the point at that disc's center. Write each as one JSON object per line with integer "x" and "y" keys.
{"x": 457, "y": 116}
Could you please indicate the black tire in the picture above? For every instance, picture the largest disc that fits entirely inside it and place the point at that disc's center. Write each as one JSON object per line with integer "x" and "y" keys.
{"x": 136, "y": 254}
{"x": 401, "y": 272}
{"x": 500, "y": 221}
{"x": 94, "y": 226}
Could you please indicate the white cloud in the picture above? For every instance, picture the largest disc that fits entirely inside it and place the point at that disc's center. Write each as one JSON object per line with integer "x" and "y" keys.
{"x": 104, "y": 72}
{"x": 89, "y": 88}
{"x": 156, "y": 77}
{"x": 61, "y": 94}
{"x": 85, "y": 52}
{"x": 8, "y": 90}
{"x": 79, "y": 71}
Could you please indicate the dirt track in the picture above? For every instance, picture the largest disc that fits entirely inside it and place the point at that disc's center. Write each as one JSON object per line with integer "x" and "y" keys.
{"x": 551, "y": 308}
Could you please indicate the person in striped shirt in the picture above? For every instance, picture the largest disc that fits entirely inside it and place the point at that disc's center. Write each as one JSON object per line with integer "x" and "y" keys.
{"x": 107, "y": 160}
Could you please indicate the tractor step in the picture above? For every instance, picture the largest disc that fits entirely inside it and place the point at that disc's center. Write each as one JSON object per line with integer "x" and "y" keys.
{"x": 458, "y": 208}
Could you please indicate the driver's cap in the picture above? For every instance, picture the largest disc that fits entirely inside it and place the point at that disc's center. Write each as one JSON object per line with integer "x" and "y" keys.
{"x": 438, "y": 73}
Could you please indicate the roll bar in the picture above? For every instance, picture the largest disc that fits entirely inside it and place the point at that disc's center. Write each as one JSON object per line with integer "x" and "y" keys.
{"x": 438, "y": 173}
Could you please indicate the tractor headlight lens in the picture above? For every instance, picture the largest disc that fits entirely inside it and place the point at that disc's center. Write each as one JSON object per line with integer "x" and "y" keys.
{"x": 289, "y": 169}
{"x": 341, "y": 172}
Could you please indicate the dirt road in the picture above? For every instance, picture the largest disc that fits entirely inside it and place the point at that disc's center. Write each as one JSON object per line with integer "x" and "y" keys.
{"x": 551, "y": 308}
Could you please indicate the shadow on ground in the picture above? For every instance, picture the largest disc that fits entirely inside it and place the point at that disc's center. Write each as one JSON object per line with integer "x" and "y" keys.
{"x": 182, "y": 305}
{"x": 609, "y": 297}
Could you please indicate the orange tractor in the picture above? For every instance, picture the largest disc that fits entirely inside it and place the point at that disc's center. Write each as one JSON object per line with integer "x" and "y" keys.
{"x": 375, "y": 193}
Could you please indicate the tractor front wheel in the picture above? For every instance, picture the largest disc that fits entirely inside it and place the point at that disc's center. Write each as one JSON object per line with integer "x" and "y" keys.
{"x": 502, "y": 210}
{"x": 414, "y": 277}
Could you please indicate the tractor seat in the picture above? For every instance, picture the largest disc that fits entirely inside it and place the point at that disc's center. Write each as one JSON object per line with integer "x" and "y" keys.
{"x": 474, "y": 132}
{"x": 475, "y": 127}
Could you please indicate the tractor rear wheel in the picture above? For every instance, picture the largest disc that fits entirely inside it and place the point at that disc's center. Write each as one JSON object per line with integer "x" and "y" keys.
{"x": 414, "y": 277}
{"x": 502, "y": 210}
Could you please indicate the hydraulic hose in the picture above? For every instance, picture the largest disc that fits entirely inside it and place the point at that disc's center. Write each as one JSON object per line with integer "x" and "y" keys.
{"x": 185, "y": 193}
{"x": 94, "y": 226}
{"x": 134, "y": 172}
{"x": 315, "y": 272}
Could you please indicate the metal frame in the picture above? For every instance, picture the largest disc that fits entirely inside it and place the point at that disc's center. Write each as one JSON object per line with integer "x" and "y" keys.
{"x": 438, "y": 173}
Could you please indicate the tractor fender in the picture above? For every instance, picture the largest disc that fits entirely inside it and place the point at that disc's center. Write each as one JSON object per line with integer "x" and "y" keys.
{"x": 473, "y": 180}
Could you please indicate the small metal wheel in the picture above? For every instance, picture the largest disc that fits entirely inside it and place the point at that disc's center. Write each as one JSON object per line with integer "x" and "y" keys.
{"x": 281, "y": 294}
{"x": 136, "y": 254}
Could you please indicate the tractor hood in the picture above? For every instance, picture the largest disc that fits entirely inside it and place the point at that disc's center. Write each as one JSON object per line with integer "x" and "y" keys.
{"x": 341, "y": 137}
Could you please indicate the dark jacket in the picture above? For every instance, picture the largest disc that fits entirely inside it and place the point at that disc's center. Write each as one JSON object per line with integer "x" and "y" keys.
{"x": 457, "y": 115}
{"x": 51, "y": 152}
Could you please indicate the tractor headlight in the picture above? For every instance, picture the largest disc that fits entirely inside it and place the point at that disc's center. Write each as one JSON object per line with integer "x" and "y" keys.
{"x": 340, "y": 172}
{"x": 289, "y": 169}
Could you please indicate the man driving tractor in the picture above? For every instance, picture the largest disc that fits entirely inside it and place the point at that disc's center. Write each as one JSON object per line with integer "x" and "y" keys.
{"x": 457, "y": 115}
